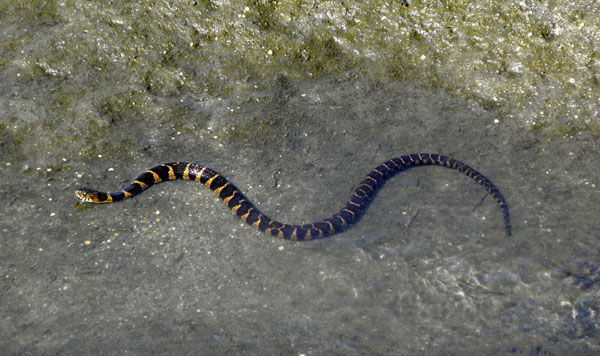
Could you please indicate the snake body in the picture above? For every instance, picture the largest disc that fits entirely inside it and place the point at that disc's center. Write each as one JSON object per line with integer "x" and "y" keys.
{"x": 246, "y": 211}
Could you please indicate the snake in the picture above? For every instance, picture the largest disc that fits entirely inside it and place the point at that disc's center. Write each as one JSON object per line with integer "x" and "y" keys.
{"x": 247, "y": 212}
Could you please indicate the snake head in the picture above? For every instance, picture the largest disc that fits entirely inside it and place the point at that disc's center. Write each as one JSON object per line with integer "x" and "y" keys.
{"x": 86, "y": 195}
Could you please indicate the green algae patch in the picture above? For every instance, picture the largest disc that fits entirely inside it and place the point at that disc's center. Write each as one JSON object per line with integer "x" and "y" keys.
{"x": 572, "y": 130}
{"x": 106, "y": 68}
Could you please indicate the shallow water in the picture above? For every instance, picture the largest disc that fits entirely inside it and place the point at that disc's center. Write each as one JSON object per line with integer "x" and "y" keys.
{"x": 427, "y": 270}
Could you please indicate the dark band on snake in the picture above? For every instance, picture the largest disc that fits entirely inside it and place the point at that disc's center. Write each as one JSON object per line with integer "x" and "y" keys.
{"x": 245, "y": 210}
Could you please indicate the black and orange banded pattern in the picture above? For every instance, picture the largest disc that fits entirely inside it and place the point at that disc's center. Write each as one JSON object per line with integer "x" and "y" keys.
{"x": 245, "y": 210}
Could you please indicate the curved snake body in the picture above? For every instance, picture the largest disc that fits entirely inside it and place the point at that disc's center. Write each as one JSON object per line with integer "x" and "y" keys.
{"x": 245, "y": 210}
